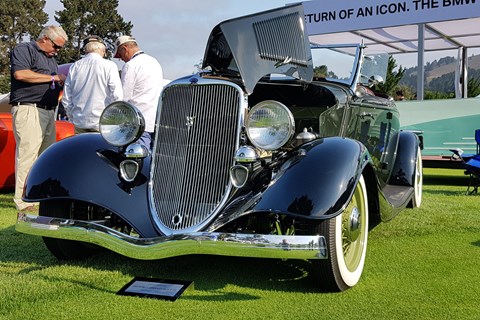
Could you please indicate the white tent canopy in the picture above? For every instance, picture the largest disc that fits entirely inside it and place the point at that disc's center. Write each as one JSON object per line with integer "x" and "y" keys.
{"x": 445, "y": 35}
{"x": 398, "y": 27}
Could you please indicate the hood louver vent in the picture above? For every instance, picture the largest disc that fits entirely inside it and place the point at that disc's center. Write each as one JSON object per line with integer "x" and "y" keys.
{"x": 277, "y": 39}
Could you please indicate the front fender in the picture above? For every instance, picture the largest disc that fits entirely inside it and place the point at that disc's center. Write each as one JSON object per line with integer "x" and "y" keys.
{"x": 84, "y": 167}
{"x": 318, "y": 180}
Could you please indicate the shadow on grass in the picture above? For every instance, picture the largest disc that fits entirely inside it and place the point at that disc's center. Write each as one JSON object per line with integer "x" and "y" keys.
{"x": 446, "y": 180}
{"x": 208, "y": 272}
{"x": 19, "y": 247}
{"x": 476, "y": 243}
{"x": 446, "y": 192}
{"x": 216, "y": 296}
{"x": 8, "y": 204}
{"x": 211, "y": 273}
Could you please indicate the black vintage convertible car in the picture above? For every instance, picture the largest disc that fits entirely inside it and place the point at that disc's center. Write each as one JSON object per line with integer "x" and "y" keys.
{"x": 278, "y": 148}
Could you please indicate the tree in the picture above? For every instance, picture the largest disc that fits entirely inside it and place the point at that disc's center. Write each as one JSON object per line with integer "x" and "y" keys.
{"x": 320, "y": 71}
{"x": 392, "y": 78}
{"x": 20, "y": 21}
{"x": 82, "y": 18}
{"x": 473, "y": 87}
{"x": 323, "y": 72}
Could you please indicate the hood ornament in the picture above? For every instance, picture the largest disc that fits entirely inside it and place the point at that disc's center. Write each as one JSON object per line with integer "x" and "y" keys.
{"x": 193, "y": 80}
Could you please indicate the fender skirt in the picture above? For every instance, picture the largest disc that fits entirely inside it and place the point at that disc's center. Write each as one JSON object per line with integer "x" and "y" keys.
{"x": 317, "y": 181}
{"x": 84, "y": 167}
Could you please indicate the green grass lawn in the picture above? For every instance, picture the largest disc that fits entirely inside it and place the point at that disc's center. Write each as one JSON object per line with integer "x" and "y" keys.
{"x": 425, "y": 264}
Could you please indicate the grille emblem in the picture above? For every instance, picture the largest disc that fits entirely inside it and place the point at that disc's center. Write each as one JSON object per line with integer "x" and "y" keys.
{"x": 190, "y": 122}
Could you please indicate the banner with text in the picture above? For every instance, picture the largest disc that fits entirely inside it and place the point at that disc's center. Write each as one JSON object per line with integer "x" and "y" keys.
{"x": 327, "y": 16}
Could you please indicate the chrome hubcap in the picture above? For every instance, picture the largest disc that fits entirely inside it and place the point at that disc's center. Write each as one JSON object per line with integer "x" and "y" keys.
{"x": 354, "y": 224}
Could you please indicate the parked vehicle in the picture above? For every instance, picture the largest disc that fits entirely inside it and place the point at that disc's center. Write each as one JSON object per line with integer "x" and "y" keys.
{"x": 275, "y": 150}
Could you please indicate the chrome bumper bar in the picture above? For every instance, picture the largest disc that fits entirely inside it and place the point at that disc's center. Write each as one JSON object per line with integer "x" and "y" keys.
{"x": 226, "y": 244}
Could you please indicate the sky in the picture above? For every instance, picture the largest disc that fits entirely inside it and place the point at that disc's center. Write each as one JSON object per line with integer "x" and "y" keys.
{"x": 176, "y": 32}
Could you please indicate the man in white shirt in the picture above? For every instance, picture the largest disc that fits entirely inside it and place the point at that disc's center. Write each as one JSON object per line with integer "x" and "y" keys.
{"x": 92, "y": 83}
{"x": 142, "y": 81}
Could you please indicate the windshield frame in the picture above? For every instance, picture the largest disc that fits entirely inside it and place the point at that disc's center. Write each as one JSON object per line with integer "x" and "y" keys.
{"x": 363, "y": 68}
{"x": 354, "y": 50}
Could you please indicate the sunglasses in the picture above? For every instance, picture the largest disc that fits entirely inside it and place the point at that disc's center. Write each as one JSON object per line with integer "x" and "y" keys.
{"x": 55, "y": 46}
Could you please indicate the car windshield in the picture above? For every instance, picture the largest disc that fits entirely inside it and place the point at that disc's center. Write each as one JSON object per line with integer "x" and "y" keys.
{"x": 339, "y": 63}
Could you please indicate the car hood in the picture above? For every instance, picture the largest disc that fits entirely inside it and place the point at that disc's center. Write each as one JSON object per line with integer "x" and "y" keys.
{"x": 270, "y": 42}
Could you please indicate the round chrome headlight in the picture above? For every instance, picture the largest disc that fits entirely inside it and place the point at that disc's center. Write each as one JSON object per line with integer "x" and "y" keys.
{"x": 270, "y": 125}
{"x": 121, "y": 123}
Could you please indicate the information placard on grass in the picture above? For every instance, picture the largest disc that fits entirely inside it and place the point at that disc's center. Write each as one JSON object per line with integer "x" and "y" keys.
{"x": 155, "y": 288}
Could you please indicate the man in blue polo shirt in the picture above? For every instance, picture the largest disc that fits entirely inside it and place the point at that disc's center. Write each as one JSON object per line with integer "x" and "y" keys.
{"x": 35, "y": 87}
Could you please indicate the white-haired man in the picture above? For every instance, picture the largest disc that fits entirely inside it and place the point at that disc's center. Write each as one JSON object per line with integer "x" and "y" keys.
{"x": 92, "y": 83}
{"x": 35, "y": 87}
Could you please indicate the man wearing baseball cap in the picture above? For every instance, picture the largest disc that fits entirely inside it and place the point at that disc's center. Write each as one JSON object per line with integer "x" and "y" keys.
{"x": 142, "y": 82}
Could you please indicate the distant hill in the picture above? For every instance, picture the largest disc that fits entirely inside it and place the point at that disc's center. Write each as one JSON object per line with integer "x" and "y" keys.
{"x": 473, "y": 63}
{"x": 440, "y": 74}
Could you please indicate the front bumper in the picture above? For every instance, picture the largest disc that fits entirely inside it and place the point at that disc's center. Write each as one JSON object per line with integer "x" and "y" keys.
{"x": 226, "y": 244}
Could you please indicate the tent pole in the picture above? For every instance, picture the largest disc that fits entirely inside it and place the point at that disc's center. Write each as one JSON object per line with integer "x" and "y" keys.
{"x": 420, "y": 61}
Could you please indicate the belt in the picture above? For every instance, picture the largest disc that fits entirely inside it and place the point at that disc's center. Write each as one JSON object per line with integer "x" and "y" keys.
{"x": 41, "y": 106}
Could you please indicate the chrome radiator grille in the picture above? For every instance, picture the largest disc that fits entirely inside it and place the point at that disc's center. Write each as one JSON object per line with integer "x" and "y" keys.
{"x": 197, "y": 137}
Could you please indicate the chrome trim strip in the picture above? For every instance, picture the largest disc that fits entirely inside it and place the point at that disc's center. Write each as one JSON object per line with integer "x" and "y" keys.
{"x": 226, "y": 244}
